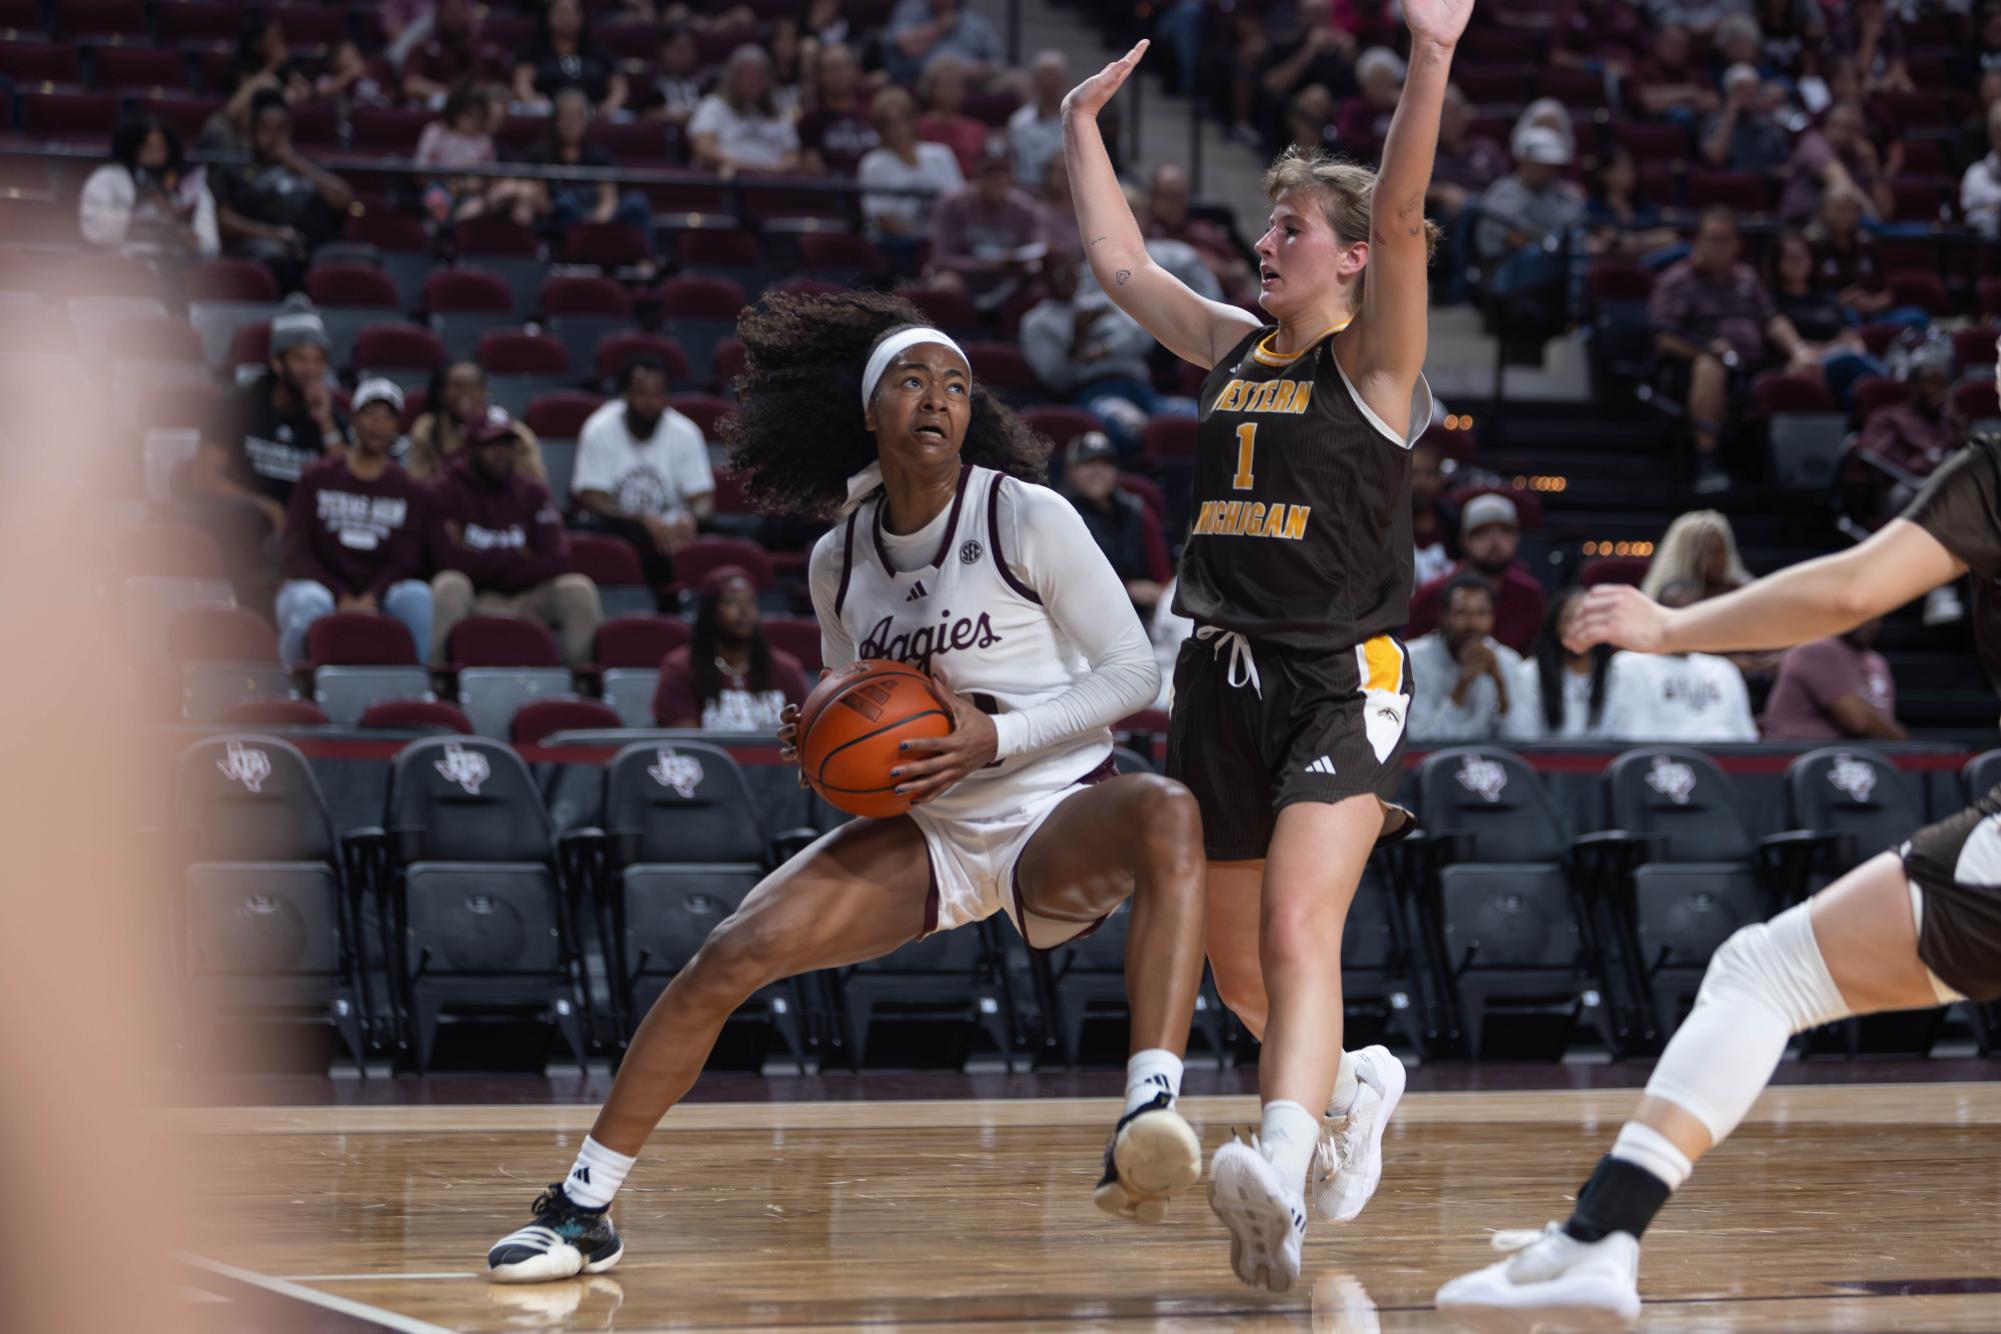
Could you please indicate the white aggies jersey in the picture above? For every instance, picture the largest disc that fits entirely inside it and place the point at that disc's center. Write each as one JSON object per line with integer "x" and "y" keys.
{"x": 969, "y": 619}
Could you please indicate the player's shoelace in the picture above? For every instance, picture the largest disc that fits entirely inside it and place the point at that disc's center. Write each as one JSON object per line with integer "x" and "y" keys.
{"x": 1511, "y": 1239}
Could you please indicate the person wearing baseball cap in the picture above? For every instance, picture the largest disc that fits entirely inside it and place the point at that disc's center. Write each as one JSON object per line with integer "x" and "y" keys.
{"x": 1489, "y": 536}
{"x": 1129, "y": 536}
{"x": 353, "y": 537}
{"x": 1519, "y": 212}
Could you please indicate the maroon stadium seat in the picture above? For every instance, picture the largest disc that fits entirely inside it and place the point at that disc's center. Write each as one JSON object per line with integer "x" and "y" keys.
{"x": 701, "y": 557}
{"x": 951, "y": 311}
{"x": 1973, "y": 349}
{"x": 1002, "y": 368}
{"x": 1915, "y": 199}
{"x": 842, "y": 252}
{"x": 993, "y": 108}
{"x": 100, "y": 18}
{"x": 231, "y": 280}
{"x": 467, "y": 289}
{"x": 806, "y": 284}
{"x": 1922, "y": 290}
{"x": 411, "y": 714}
{"x": 518, "y": 352}
{"x": 397, "y": 347}
{"x": 1990, "y": 297}
{"x": 221, "y": 634}
{"x": 1614, "y": 570}
{"x": 494, "y": 236}
{"x": 351, "y": 285}
{"x": 700, "y": 298}
{"x": 29, "y": 63}
{"x": 119, "y": 69}
{"x": 273, "y": 713}
{"x": 730, "y": 358}
{"x": 181, "y": 21}
{"x": 561, "y": 416}
{"x": 1651, "y": 141}
{"x": 1742, "y": 192}
{"x": 396, "y": 232}
{"x": 573, "y": 295}
{"x": 616, "y": 351}
{"x": 797, "y": 635}
{"x": 608, "y": 245}
{"x": 388, "y": 131}
{"x": 1792, "y": 393}
{"x": 502, "y": 641}
{"x": 1169, "y": 438}
{"x": 608, "y": 562}
{"x": 250, "y": 345}
{"x": 1875, "y": 392}
{"x": 1061, "y": 424}
{"x": 705, "y": 410}
{"x": 718, "y": 249}
{"x": 69, "y": 115}
{"x": 1975, "y": 400}
{"x": 540, "y": 719}
{"x": 359, "y": 639}
{"x": 639, "y": 641}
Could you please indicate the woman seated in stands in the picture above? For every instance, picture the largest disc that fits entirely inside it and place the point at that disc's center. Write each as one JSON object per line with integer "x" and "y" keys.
{"x": 1799, "y": 294}
{"x": 557, "y": 205}
{"x": 1845, "y": 257}
{"x": 727, "y": 678}
{"x": 739, "y": 127}
{"x": 1564, "y": 693}
{"x": 942, "y": 90}
{"x": 457, "y": 400}
{"x": 1623, "y": 221}
{"x": 462, "y": 136}
{"x": 899, "y": 223}
{"x": 565, "y": 57}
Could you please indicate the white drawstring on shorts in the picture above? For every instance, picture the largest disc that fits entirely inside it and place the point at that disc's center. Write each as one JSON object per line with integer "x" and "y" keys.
{"x": 1243, "y": 666}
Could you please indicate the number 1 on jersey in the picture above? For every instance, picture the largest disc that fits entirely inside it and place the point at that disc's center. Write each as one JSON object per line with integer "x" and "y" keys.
{"x": 1247, "y": 444}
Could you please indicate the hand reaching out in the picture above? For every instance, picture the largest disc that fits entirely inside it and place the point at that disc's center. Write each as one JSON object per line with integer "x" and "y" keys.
{"x": 1090, "y": 96}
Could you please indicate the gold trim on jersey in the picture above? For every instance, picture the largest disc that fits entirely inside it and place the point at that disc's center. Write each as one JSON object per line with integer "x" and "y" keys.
{"x": 1252, "y": 518}
{"x": 1263, "y": 354}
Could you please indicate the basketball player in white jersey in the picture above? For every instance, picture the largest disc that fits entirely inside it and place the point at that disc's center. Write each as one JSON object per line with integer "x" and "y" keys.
{"x": 947, "y": 556}
{"x": 1906, "y": 930}
{"x": 1292, "y": 698}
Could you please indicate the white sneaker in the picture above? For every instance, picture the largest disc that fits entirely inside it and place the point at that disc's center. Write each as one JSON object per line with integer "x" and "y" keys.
{"x": 1348, "y": 1161}
{"x": 1152, "y": 1157}
{"x": 1267, "y": 1221}
{"x": 1552, "y": 1278}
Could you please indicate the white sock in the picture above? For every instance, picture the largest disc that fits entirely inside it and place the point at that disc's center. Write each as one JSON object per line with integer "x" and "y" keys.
{"x": 1150, "y": 1071}
{"x": 1346, "y": 1086}
{"x": 1647, "y": 1148}
{"x": 1288, "y": 1136}
{"x": 597, "y": 1175}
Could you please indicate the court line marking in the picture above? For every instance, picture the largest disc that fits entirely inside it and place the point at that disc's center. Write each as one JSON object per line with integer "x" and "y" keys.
{"x": 401, "y": 1324}
{"x": 363, "y": 1278}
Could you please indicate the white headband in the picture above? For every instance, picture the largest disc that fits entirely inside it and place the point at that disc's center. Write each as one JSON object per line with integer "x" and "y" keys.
{"x": 900, "y": 341}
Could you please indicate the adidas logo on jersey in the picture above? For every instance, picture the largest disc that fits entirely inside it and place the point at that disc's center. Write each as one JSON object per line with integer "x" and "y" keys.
{"x": 1323, "y": 765}
{"x": 918, "y": 590}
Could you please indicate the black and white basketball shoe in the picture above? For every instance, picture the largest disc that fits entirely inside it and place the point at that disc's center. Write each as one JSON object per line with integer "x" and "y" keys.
{"x": 565, "y": 1240}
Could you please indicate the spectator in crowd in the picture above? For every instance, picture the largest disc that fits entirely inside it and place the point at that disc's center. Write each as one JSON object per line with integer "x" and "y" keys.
{"x": 350, "y": 81}
{"x": 1622, "y": 221}
{"x": 1597, "y": 35}
{"x": 1430, "y": 523}
{"x": 1973, "y": 142}
{"x": 1545, "y": 113}
{"x": 145, "y": 201}
{"x": 1489, "y": 535}
{"x": 497, "y": 543}
{"x": 264, "y": 59}
{"x": 452, "y": 54}
{"x": 1309, "y": 119}
{"x": 1319, "y": 54}
{"x": 643, "y": 471}
{"x": 1059, "y": 212}
{"x": 1525, "y": 216}
{"x": 1845, "y": 257}
{"x": 278, "y": 207}
{"x": 1878, "y": 44}
{"x": 1699, "y": 549}
{"x": 1834, "y": 689}
{"x": 727, "y": 677}
{"x": 1165, "y": 209}
{"x": 1838, "y": 157}
{"x": 988, "y": 236}
{"x": 789, "y": 72}
{"x": 556, "y": 205}
{"x": 941, "y": 89}
{"x": 899, "y": 223}
{"x": 1564, "y": 693}
{"x": 677, "y": 82}
{"x": 1699, "y": 17}
{"x": 1800, "y": 296}
{"x": 1363, "y": 121}
{"x": 1118, "y": 520}
{"x": 1792, "y": 34}
{"x": 1980, "y": 188}
{"x": 1915, "y": 436}
{"x": 564, "y": 56}
{"x": 269, "y": 431}
{"x": 1694, "y": 698}
{"x": 1670, "y": 81}
{"x": 838, "y": 131}
{"x": 1035, "y": 130}
{"x": 1087, "y": 351}
{"x": 460, "y": 137}
{"x": 738, "y": 127}
{"x": 827, "y": 20}
{"x": 456, "y": 402}
{"x": 1465, "y": 682}
{"x": 1743, "y": 136}
{"x": 1466, "y": 163}
{"x": 922, "y": 31}
{"x": 353, "y": 536}
{"x": 1736, "y": 41}
{"x": 406, "y": 23}
{"x": 1711, "y": 315}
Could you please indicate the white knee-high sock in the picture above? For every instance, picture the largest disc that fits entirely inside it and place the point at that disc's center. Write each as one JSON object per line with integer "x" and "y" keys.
{"x": 597, "y": 1175}
{"x": 1765, "y": 984}
{"x": 1151, "y": 1072}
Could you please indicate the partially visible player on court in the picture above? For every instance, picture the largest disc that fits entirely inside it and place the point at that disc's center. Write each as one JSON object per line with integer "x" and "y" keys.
{"x": 1291, "y": 699}
{"x": 1906, "y": 930}
{"x": 949, "y": 557}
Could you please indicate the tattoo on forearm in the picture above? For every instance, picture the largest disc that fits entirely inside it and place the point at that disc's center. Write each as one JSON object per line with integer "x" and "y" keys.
{"x": 1122, "y": 275}
{"x": 1099, "y": 240}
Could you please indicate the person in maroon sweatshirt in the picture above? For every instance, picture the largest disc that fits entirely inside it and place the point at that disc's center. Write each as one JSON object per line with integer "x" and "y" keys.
{"x": 497, "y": 542}
{"x": 352, "y": 532}
{"x": 1489, "y": 536}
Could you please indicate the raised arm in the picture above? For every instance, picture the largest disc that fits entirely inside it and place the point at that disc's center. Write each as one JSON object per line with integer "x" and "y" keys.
{"x": 1397, "y": 292}
{"x": 1190, "y": 326}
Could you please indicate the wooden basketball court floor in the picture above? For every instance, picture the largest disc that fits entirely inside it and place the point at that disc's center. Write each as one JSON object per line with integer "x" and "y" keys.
{"x": 1851, "y": 1208}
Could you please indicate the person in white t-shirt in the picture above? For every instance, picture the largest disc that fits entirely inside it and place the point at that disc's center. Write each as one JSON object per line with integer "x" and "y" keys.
{"x": 643, "y": 471}
{"x": 902, "y": 162}
{"x": 1692, "y": 697}
{"x": 739, "y": 126}
{"x": 1466, "y": 683}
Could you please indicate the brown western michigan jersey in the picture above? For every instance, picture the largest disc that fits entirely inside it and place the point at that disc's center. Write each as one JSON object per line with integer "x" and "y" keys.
{"x": 1302, "y": 503}
{"x": 1961, "y": 507}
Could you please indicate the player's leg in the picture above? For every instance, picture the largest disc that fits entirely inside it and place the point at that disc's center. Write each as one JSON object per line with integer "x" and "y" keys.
{"x": 1853, "y": 949}
{"x": 856, "y": 894}
{"x": 1236, "y": 899}
{"x": 1138, "y": 837}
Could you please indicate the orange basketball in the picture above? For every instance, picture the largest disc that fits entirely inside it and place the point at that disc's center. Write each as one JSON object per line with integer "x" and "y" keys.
{"x": 851, "y": 725}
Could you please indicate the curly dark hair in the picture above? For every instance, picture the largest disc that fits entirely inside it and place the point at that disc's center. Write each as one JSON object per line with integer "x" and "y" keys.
{"x": 798, "y": 433}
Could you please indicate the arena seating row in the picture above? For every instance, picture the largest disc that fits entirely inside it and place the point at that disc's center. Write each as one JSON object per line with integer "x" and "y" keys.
{"x": 444, "y": 877}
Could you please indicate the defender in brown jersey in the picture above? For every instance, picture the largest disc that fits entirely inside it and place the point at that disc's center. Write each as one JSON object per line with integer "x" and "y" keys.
{"x": 1292, "y": 697}
{"x": 1907, "y": 930}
